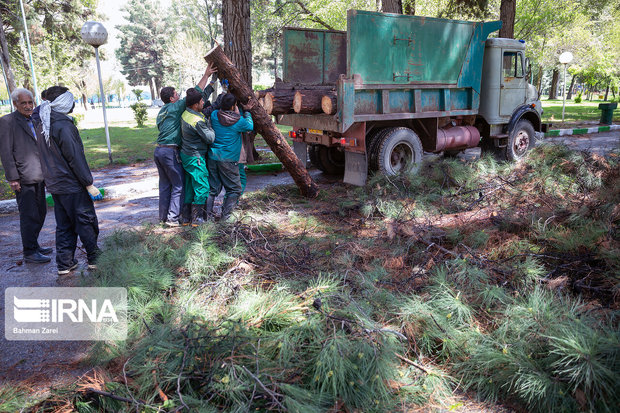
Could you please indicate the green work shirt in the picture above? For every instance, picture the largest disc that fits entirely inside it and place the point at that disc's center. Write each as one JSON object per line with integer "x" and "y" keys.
{"x": 197, "y": 133}
{"x": 169, "y": 122}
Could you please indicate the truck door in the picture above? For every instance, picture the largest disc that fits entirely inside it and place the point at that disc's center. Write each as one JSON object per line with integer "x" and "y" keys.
{"x": 513, "y": 85}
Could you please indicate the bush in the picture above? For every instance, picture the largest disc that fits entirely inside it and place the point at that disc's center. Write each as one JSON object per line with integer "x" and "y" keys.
{"x": 77, "y": 118}
{"x": 578, "y": 98}
{"x": 139, "y": 113}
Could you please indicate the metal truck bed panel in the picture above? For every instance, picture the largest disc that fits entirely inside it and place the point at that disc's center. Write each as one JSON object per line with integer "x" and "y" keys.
{"x": 314, "y": 57}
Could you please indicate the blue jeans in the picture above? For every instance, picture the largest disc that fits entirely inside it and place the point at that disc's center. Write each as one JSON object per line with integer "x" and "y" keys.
{"x": 171, "y": 177}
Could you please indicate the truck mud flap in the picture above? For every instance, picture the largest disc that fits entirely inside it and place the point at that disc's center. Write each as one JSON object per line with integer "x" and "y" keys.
{"x": 301, "y": 150}
{"x": 356, "y": 168}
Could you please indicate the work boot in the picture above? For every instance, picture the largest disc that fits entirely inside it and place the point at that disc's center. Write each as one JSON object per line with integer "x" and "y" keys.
{"x": 37, "y": 258}
{"x": 230, "y": 203}
{"x": 197, "y": 211}
{"x": 186, "y": 214}
{"x": 209, "y": 216}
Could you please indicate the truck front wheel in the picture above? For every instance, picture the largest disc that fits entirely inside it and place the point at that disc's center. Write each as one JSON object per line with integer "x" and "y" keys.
{"x": 521, "y": 140}
{"x": 400, "y": 151}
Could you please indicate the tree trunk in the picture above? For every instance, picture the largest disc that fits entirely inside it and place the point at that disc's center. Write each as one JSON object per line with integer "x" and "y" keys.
{"x": 279, "y": 101}
{"x": 507, "y": 16}
{"x": 607, "y": 90}
{"x": 310, "y": 101}
{"x": 84, "y": 102}
{"x": 237, "y": 41}
{"x": 540, "y": 77}
{"x": 6, "y": 61}
{"x": 329, "y": 104}
{"x": 570, "y": 88}
{"x": 553, "y": 90}
{"x": 263, "y": 123}
{"x": 409, "y": 7}
{"x": 153, "y": 90}
{"x": 392, "y": 6}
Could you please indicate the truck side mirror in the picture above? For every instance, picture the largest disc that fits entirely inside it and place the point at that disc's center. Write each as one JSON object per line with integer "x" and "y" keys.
{"x": 528, "y": 69}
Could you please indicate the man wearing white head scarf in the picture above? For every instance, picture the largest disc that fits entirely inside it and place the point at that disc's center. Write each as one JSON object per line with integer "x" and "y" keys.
{"x": 68, "y": 179}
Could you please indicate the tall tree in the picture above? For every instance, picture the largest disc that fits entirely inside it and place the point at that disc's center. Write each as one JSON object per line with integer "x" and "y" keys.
{"x": 507, "y": 13}
{"x": 142, "y": 47}
{"x": 57, "y": 46}
{"x": 392, "y": 6}
{"x": 237, "y": 40}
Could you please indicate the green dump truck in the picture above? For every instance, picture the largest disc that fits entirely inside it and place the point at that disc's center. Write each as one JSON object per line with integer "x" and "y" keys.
{"x": 392, "y": 87}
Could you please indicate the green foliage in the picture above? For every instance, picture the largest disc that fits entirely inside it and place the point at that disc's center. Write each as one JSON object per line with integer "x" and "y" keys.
{"x": 578, "y": 98}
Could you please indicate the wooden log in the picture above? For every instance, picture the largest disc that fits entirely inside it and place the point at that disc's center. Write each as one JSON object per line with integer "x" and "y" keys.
{"x": 308, "y": 101}
{"x": 329, "y": 104}
{"x": 262, "y": 122}
{"x": 279, "y": 101}
{"x": 261, "y": 93}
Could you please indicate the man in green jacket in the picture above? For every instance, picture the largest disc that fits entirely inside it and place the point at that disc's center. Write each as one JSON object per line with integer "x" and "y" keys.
{"x": 197, "y": 136}
{"x": 166, "y": 154}
{"x": 223, "y": 161}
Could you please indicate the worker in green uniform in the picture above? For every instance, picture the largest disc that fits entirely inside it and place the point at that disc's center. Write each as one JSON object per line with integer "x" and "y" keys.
{"x": 197, "y": 135}
{"x": 166, "y": 155}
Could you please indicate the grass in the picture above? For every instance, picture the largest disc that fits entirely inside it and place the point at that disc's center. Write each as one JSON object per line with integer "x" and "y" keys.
{"x": 586, "y": 111}
{"x": 394, "y": 297}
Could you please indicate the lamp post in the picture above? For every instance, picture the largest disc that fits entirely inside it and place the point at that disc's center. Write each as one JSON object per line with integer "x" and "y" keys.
{"x": 565, "y": 58}
{"x": 95, "y": 35}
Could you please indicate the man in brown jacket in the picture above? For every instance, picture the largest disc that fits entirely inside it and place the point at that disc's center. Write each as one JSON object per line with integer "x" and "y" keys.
{"x": 22, "y": 167}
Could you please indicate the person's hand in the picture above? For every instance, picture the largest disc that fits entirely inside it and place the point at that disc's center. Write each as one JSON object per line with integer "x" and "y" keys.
{"x": 15, "y": 186}
{"x": 211, "y": 69}
{"x": 236, "y": 109}
{"x": 248, "y": 106}
{"x": 94, "y": 193}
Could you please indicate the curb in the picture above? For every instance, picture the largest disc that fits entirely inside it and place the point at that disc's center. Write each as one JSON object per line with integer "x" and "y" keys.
{"x": 580, "y": 131}
{"x": 9, "y": 206}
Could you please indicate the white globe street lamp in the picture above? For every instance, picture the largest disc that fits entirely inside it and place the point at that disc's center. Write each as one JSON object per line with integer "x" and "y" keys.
{"x": 95, "y": 35}
{"x": 565, "y": 58}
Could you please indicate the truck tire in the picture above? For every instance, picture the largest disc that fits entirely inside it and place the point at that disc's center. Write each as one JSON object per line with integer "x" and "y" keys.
{"x": 521, "y": 140}
{"x": 373, "y": 147}
{"x": 314, "y": 157}
{"x": 331, "y": 159}
{"x": 400, "y": 151}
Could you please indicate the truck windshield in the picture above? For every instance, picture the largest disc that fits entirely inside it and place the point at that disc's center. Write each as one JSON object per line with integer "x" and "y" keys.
{"x": 513, "y": 65}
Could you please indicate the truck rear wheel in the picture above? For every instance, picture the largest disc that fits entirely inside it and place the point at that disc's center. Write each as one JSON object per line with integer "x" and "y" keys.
{"x": 314, "y": 157}
{"x": 373, "y": 147}
{"x": 520, "y": 141}
{"x": 400, "y": 151}
{"x": 330, "y": 160}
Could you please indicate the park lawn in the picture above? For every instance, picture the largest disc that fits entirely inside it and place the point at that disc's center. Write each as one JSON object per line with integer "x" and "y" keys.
{"x": 586, "y": 111}
{"x": 129, "y": 145}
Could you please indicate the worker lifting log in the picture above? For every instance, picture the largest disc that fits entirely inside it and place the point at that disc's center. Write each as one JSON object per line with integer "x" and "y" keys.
{"x": 262, "y": 122}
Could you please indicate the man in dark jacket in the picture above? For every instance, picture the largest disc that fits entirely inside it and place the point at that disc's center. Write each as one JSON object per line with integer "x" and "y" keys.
{"x": 20, "y": 158}
{"x": 68, "y": 179}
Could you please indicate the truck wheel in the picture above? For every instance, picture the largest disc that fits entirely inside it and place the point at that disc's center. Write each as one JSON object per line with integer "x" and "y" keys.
{"x": 521, "y": 140}
{"x": 373, "y": 147}
{"x": 314, "y": 157}
{"x": 400, "y": 151}
{"x": 331, "y": 159}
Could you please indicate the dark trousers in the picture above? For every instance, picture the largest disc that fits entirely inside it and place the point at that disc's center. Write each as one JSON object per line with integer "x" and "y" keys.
{"x": 75, "y": 216}
{"x": 171, "y": 178}
{"x": 224, "y": 174}
{"x": 32, "y": 211}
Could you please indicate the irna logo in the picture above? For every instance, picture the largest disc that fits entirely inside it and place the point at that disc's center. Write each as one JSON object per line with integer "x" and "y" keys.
{"x": 30, "y": 310}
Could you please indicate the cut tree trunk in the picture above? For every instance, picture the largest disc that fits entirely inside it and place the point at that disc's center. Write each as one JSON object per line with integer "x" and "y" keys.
{"x": 263, "y": 123}
{"x": 279, "y": 101}
{"x": 329, "y": 104}
{"x": 309, "y": 101}
{"x": 260, "y": 94}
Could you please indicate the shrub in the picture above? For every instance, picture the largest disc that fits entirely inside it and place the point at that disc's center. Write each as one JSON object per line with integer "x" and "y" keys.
{"x": 139, "y": 109}
{"x": 578, "y": 97}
